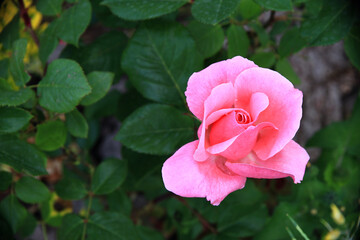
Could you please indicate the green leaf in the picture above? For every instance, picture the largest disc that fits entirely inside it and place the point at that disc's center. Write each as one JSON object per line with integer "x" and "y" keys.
{"x": 48, "y": 42}
{"x": 103, "y": 54}
{"x": 118, "y": 201}
{"x": 264, "y": 59}
{"x": 352, "y": 46}
{"x": 4, "y": 70}
{"x": 283, "y": 5}
{"x": 108, "y": 176}
{"x": 49, "y": 7}
{"x": 71, "y": 228}
{"x": 261, "y": 33}
{"x": 10, "y": 33}
{"x": 73, "y": 22}
{"x": 142, "y": 9}
{"x": 159, "y": 60}
{"x": 100, "y": 83}
{"x": 10, "y": 97}
{"x": 284, "y": 67}
{"x": 70, "y": 188}
{"x": 213, "y": 11}
{"x": 21, "y": 155}
{"x": 13, "y": 119}
{"x": 16, "y": 66}
{"x": 238, "y": 41}
{"x": 111, "y": 226}
{"x": 31, "y": 190}
{"x": 63, "y": 86}
{"x": 249, "y": 9}
{"x": 51, "y": 135}
{"x": 291, "y": 42}
{"x": 28, "y": 226}
{"x": 208, "y": 38}
{"x": 5, "y": 180}
{"x": 147, "y": 233}
{"x": 331, "y": 25}
{"x": 77, "y": 124}
{"x": 156, "y": 129}
{"x": 13, "y": 212}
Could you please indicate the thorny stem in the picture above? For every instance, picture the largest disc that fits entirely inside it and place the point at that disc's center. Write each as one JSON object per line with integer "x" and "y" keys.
{"x": 25, "y": 17}
{"x": 87, "y": 215}
{"x": 202, "y": 220}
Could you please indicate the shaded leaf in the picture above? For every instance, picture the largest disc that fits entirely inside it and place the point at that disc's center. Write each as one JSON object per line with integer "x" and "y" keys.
{"x": 331, "y": 25}
{"x": 283, "y": 5}
{"x": 51, "y": 135}
{"x": 159, "y": 60}
{"x": 5, "y": 180}
{"x": 156, "y": 129}
{"x": 100, "y": 83}
{"x": 16, "y": 66}
{"x": 142, "y": 9}
{"x": 13, "y": 119}
{"x": 76, "y": 124}
{"x": 108, "y": 176}
{"x": 73, "y": 22}
{"x": 70, "y": 188}
{"x": 208, "y": 38}
{"x": 71, "y": 228}
{"x": 31, "y": 190}
{"x": 238, "y": 41}
{"x": 249, "y": 9}
{"x": 111, "y": 226}
{"x": 10, "y": 33}
{"x": 352, "y": 46}
{"x": 264, "y": 59}
{"x": 291, "y": 42}
{"x": 21, "y": 155}
{"x": 49, "y": 7}
{"x": 63, "y": 86}
{"x": 13, "y": 212}
{"x": 213, "y": 11}
{"x": 284, "y": 67}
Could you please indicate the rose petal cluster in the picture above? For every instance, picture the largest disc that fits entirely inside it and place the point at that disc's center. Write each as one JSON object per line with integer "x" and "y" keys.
{"x": 249, "y": 116}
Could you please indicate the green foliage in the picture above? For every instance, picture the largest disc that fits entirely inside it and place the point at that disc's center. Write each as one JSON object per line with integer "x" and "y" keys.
{"x": 108, "y": 176}
{"x": 21, "y": 155}
{"x": 51, "y": 135}
{"x": 31, "y": 190}
{"x": 208, "y": 38}
{"x": 168, "y": 58}
{"x": 352, "y": 45}
{"x": 238, "y": 41}
{"x": 49, "y": 7}
{"x": 16, "y": 66}
{"x": 70, "y": 188}
{"x": 142, "y": 9}
{"x": 77, "y": 124}
{"x": 74, "y": 73}
{"x": 212, "y": 12}
{"x": 63, "y": 86}
{"x": 332, "y": 24}
{"x": 160, "y": 133}
{"x": 13, "y": 119}
{"x": 100, "y": 83}
{"x": 284, "y": 5}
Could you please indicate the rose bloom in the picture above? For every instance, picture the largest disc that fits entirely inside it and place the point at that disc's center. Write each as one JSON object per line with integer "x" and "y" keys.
{"x": 249, "y": 116}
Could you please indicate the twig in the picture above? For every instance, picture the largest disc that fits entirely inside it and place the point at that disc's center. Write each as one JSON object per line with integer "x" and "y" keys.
{"x": 25, "y": 17}
{"x": 270, "y": 20}
{"x": 202, "y": 220}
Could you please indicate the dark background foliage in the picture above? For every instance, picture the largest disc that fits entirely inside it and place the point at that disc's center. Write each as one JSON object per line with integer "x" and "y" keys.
{"x": 92, "y": 103}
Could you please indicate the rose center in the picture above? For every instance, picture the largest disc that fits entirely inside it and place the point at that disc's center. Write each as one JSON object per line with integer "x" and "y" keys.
{"x": 242, "y": 117}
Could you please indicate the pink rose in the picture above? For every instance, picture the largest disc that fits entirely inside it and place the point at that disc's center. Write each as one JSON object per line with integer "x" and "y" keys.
{"x": 249, "y": 116}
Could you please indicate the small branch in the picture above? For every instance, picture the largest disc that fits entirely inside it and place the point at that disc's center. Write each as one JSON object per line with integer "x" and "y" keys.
{"x": 271, "y": 19}
{"x": 202, "y": 220}
{"x": 25, "y": 17}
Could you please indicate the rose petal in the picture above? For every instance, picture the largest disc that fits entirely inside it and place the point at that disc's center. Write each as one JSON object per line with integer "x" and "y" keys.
{"x": 284, "y": 109}
{"x": 200, "y": 84}
{"x": 222, "y": 96}
{"x": 241, "y": 145}
{"x": 186, "y": 177}
{"x": 289, "y": 162}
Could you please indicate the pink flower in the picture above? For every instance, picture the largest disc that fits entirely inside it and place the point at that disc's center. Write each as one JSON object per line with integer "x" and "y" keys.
{"x": 249, "y": 116}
